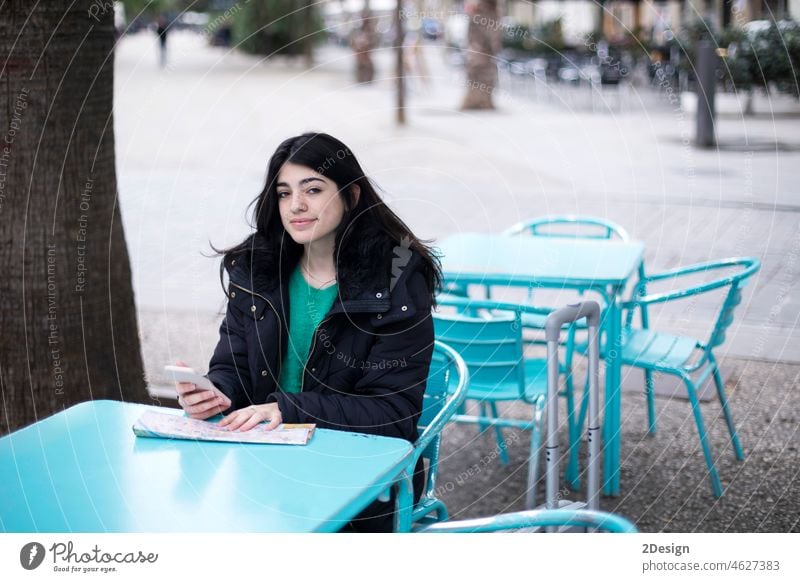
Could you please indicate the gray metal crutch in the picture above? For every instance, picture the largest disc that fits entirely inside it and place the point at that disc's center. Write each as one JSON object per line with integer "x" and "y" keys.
{"x": 569, "y": 314}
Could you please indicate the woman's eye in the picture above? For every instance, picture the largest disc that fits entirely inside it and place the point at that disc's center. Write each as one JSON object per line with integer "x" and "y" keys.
{"x": 282, "y": 194}
{"x": 314, "y": 190}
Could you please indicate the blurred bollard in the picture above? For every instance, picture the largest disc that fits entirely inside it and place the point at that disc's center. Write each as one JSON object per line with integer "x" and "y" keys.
{"x": 706, "y": 84}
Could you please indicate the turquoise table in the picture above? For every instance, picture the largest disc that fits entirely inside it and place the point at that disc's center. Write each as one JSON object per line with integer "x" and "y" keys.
{"x": 600, "y": 266}
{"x": 83, "y": 470}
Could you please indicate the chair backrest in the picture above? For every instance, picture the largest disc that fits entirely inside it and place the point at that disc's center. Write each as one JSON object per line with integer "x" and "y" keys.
{"x": 568, "y": 226}
{"x": 732, "y": 299}
{"x": 581, "y": 227}
{"x": 447, "y": 374}
{"x": 492, "y": 349}
{"x": 733, "y": 296}
{"x": 539, "y": 518}
{"x": 446, "y": 389}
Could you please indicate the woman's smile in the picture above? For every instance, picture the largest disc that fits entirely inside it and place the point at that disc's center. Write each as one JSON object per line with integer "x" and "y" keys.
{"x": 302, "y": 223}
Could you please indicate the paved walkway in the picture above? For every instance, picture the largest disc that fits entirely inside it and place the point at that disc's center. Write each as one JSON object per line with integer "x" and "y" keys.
{"x": 193, "y": 141}
{"x": 664, "y": 486}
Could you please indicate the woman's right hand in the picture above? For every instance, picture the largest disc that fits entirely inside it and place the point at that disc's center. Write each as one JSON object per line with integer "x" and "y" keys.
{"x": 199, "y": 403}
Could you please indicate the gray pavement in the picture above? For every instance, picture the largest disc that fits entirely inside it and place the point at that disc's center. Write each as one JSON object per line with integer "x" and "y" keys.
{"x": 192, "y": 145}
{"x": 664, "y": 484}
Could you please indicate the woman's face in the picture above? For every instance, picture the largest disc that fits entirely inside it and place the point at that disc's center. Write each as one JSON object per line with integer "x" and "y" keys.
{"x": 309, "y": 203}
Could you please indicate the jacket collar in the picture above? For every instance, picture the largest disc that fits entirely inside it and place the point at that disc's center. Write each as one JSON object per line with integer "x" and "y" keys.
{"x": 379, "y": 280}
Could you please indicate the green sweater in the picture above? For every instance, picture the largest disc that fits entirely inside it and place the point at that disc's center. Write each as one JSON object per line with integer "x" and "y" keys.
{"x": 307, "y": 308}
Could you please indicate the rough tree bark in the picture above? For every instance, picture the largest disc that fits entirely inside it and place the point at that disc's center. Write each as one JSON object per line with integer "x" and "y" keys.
{"x": 483, "y": 43}
{"x": 68, "y": 329}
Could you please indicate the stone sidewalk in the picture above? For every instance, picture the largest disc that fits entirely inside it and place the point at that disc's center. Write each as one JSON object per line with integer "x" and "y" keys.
{"x": 192, "y": 145}
{"x": 664, "y": 484}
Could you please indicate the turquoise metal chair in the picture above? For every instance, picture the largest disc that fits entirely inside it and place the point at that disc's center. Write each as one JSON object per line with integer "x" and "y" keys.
{"x": 594, "y": 227}
{"x": 446, "y": 389}
{"x": 682, "y": 356}
{"x": 569, "y": 226}
{"x": 540, "y": 518}
{"x": 490, "y": 341}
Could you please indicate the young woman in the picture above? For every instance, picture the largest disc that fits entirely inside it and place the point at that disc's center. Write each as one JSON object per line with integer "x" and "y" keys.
{"x": 329, "y": 309}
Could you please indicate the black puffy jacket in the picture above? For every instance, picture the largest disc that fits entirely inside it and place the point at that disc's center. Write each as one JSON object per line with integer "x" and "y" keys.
{"x": 369, "y": 357}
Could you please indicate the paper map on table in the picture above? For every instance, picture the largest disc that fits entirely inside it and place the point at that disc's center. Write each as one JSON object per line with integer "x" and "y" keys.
{"x": 172, "y": 426}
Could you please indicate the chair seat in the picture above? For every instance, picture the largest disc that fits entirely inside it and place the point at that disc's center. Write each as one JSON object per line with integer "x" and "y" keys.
{"x": 651, "y": 348}
{"x": 537, "y": 321}
{"x": 642, "y": 347}
{"x": 535, "y": 384}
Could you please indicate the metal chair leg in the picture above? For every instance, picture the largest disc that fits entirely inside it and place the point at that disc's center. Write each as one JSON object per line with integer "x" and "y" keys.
{"x": 716, "y": 485}
{"x": 483, "y": 409}
{"x": 535, "y": 454}
{"x": 501, "y": 441}
{"x": 723, "y": 399}
{"x": 651, "y": 404}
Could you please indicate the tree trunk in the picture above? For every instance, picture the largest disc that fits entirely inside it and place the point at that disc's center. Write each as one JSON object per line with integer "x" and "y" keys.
{"x": 308, "y": 33}
{"x": 69, "y": 330}
{"x": 400, "y": 72}
{"x": 483, "y": 42}
{"x": 363, "y": 42}
{"x": 637, "y": 18}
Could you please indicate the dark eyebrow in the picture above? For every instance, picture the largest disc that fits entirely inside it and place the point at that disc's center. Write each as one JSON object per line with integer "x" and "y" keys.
{"x": 303, "y": 182}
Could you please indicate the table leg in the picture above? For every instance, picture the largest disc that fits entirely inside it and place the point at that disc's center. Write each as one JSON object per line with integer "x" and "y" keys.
{"x": 404, "y": 503}
{"x": 611, "y": 421}
{"x": 617, "y": 367}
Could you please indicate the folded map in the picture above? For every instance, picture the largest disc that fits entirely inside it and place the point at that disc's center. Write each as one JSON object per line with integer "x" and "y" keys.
{"x": 172, "y": 426}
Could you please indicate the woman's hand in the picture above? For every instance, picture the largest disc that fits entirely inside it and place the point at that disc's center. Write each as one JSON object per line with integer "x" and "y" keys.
{"x": 247, "y": 418}
{"x": 198, "y": 403}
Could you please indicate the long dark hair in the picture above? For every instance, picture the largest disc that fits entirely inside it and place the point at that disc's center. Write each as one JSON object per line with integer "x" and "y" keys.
{"x": 363, "y": 218}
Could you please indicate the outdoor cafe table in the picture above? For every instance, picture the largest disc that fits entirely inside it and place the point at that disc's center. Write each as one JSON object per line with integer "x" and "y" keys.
{"x": 83, "y": 470}
{"x": 597, "y": 265}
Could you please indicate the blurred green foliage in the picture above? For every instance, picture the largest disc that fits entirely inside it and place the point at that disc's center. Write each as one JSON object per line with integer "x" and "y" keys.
{"x": 270, "y": 27}
{"x": 547, "y": 38}
{"x": 134, "y": 8}
{"x": 762, "y": 55}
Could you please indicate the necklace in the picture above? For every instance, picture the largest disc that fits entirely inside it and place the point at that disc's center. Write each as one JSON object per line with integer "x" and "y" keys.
{"x": 323, "y": 283}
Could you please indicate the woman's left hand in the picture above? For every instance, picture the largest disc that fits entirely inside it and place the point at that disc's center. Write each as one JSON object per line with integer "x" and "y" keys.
{"x": 247, "y": 418}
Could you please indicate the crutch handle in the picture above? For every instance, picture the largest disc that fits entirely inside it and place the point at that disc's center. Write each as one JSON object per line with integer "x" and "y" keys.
{"x": 588, "y": 309}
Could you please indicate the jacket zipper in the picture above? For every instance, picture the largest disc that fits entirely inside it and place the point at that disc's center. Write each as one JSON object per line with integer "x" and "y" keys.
{"x": 280, "y": 352}
{"x": 311, "y": 353}
{"x": 313, "y": 347}
{"x": 280, "y": 331}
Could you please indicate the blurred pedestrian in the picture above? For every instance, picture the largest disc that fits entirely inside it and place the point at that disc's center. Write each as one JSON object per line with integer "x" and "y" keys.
{"x": 414, "y": 60}
{"x": 162, "y": 29}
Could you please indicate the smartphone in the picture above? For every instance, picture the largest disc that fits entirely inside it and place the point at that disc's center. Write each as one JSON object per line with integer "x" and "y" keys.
{"x": 182, "y": 374}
